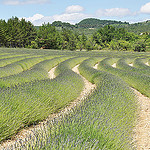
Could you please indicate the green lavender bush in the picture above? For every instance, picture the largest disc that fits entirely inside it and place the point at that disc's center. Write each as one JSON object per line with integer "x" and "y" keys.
{"x": 103, "y": 121}
{"x": 138, "y": 81}
{"x": 32, "y": 102}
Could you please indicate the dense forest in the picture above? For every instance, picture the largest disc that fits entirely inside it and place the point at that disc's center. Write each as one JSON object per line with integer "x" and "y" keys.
{"x": 113, "y": 35}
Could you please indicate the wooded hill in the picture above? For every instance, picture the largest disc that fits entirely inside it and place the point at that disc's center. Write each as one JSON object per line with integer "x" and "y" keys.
{"x": 97, "y": 23}
{"x": 89, "y": 23}
{"x": 93, "y": 23}
{"x": 140, "y": 27}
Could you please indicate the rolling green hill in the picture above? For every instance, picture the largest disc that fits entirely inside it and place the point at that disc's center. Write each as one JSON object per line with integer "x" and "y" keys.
{"x": 96, "y": 23}
{"x": 93, "y": 23}
{"x": 139, "y": 27}
{"x": 89, "y": 25}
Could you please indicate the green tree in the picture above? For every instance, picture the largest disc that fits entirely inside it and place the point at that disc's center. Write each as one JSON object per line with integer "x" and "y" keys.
{"x": 16, "y": 33}
{"x": 81, "y": 42}
{"x": 48, "y": 37}
{"x": 139, "y": 45}
{"x": 69, "y": 39}
{"x": 3, "y": 33}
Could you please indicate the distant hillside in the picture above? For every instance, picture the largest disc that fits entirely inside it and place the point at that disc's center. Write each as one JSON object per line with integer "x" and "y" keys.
{"x": 62, "y": 24}
{"x": 90, "y": 23}
{"x": 96, "y": 23}
{"x": 86, "y": 25}
{"x": 140, "y": 27}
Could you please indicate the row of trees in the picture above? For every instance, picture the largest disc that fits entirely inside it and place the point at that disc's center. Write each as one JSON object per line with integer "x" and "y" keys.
{"x": 16, "y": 33}
{"x": 20, "y": 33}
{"x": 48, "y": 37}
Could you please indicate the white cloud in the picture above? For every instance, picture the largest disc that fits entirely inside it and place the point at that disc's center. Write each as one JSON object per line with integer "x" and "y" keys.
{"x": 72, "y": 15}
{"x": 11, "y": 2}
{"x": 34, "y": 17}
{"x": 72, "y": 18}
{"x": 114, "y": 12}
{"x": 145, "y": 8}
{"x": 24, "y": 2}
{"x": 69, "y": 17}
{"x": 74, "y": 9}
{"x": 43, "y": 20}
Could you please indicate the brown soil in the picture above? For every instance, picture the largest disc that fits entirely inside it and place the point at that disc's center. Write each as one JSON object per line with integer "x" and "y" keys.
{"x": 88, "y": 88}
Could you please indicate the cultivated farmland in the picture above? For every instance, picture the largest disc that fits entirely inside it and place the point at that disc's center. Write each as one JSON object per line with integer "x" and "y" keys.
{"x": 104, "y": 119}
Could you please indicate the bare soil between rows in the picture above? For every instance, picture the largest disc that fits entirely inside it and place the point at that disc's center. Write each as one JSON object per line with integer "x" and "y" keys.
{"x": 142, "y": 129}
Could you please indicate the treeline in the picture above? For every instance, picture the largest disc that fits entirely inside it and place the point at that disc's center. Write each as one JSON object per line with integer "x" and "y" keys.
{"x": 16, "y": 33}
{"x": 20, "y": 33}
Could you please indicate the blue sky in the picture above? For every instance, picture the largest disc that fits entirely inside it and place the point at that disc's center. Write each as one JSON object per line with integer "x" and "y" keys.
{"x": 73, "y": 11}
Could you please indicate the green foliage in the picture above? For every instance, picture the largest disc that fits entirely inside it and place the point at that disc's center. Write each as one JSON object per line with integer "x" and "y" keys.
{"x": 16, "y": 33}
{"x": 81, "y": 44}
{"x": 137, "y": 67}
{"x": 61, "y": 35}
{"x": 19, "y": 66}
{"x": 34, "y": 45}
{"x": 141, "y": 64}
{"x": 117, "y": 38}
{"x": 147, "y": 42}
{"x": 97, "y": 23}
{"x": 6, "y": 61}
{"x": 138, "y": 28}
{"x": 120, "y": 45}
{"x": 48, "y": 37}
{"x": 29, "y": 103}
{"x": 62, "y": 24}
{"x": 104, "y": 120}
{"x": 36, "y": 73}
{"x": 90, "y": 45}
{"x": 139, "y": 46}
{"x": 136, "y": 80}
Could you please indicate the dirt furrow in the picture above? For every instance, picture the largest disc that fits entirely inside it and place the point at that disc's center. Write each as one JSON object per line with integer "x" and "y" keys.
{"x": 131, "y": 64}
{"x": 147, "y": 64}
{"x": 96, "y": 65}
{"x": 142, "y": 128}
{"x": 51, "y": 73}
{"x": 88, "y": 86}
{"x": 114, "y": 65}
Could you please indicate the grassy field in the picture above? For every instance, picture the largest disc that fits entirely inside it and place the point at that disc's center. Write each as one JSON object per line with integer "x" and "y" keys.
{"x": 105, "y": 120}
